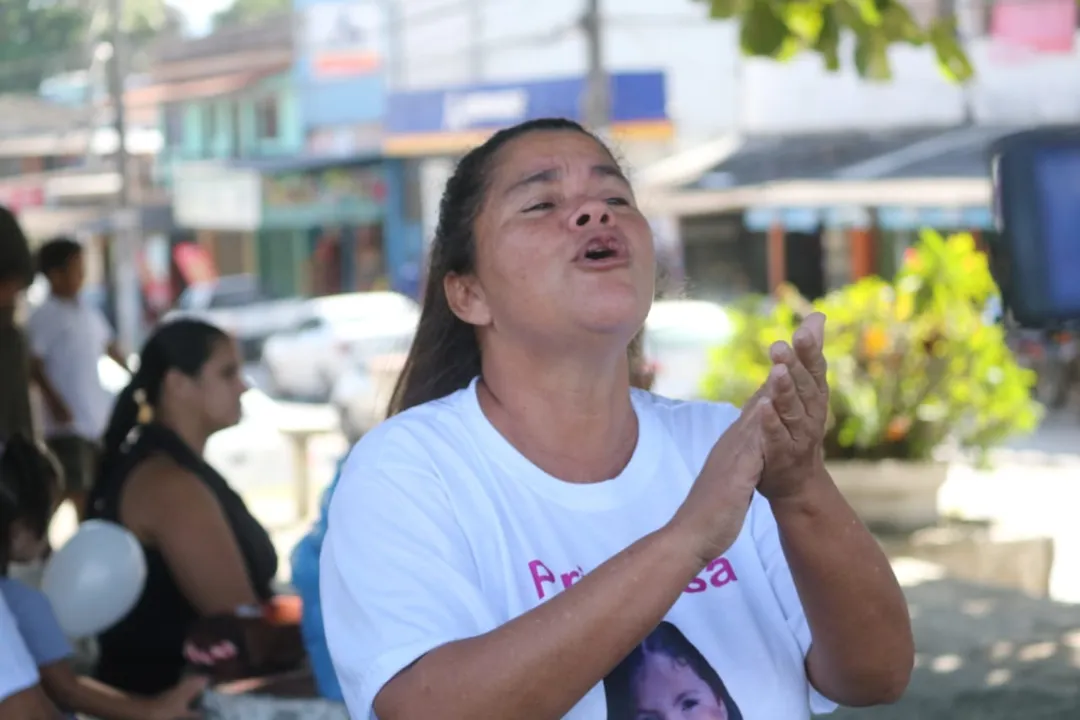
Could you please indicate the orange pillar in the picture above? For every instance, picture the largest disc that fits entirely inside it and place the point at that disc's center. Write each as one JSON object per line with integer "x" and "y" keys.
{"x": 777, "y": 256}
{"x": 862, "y": 252}
{"x": 980, "y": 241}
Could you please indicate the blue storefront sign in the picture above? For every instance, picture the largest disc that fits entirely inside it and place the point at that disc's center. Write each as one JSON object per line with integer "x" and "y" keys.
{"x": 945, "y": 218}
{"x": 809, "y": 219}
{"x": 452, "y": 120}
{"x": 805, "y": 219}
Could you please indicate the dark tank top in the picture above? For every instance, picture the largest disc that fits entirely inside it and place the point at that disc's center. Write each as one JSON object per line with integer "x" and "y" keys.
{"x": 142, "y": 654}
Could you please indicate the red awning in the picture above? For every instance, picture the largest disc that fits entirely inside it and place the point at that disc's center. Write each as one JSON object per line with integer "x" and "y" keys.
{"x": 214, "y": 86}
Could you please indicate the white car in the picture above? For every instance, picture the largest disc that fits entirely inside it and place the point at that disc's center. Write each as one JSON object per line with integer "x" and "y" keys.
{"x": 252, "y": 453}
{"x": 678, "y": 337}
{"x": 307, "y": 362}
{"x": 362, "y": 393}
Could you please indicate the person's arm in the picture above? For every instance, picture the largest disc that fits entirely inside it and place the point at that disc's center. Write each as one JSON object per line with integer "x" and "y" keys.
{"x": 80, "y": 694}
{"x": 56, "y": 404}
{"x": 542, "y": 663}
{"x": 172, "y": 510}
{"x": 114, "y": 352}
{"x": 862, "y": 643}
{"x": 28, "y": 704}
{"x": 21, "y": 696}
{"x": 41, "y": 335}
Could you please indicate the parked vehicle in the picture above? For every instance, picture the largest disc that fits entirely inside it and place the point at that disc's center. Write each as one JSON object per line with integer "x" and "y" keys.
{"x": 237, "y": 304}
{"x": 338, "y": 332}
{"x": 252, "y": 453}
{"x": 362, "y": 393}
{"x": 678, "y": 337}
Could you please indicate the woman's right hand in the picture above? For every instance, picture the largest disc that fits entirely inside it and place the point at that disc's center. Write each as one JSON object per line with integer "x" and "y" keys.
{"x": 712, "y": 515}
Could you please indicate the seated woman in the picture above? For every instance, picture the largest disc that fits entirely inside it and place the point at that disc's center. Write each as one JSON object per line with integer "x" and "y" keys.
{"x": 206, "y": 554}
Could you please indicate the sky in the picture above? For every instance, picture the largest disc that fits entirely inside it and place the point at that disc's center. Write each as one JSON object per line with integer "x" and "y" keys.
{"x": 199, "y": 12}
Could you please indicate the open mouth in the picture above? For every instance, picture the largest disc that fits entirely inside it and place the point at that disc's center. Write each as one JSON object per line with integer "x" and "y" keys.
{"x": 600, "y": 254}
{"x": 604, "y": 247}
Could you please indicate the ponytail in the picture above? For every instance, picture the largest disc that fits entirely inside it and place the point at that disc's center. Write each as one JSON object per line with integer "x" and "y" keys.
{"x": 123, "y": 421}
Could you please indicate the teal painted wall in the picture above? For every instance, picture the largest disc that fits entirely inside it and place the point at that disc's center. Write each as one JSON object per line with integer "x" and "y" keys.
{"x": 209, "y": 128}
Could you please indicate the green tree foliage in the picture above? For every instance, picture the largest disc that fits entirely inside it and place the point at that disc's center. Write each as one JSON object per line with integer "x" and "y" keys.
{"x": 245, "y": 11}
{"x": 38, "y": 40}
{"x": 781, "y": 29}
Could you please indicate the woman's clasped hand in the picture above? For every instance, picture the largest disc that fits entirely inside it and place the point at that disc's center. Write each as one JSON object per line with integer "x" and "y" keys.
{"x": 794, "y": 412}
{"x": 775, "y": 447}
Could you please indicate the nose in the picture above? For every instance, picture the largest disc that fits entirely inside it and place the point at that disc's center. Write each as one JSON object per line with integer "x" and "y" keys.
{"x": 592, "y": 212}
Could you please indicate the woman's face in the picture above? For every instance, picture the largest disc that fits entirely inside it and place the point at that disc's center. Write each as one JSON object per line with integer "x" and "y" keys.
{"x": 668, "y": 689}
{"x": 562, "y": 250}
{"x": 216, "y": 391}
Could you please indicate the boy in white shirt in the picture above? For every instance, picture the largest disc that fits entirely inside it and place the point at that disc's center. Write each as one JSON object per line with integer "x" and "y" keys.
{"x": 67, "y": 340}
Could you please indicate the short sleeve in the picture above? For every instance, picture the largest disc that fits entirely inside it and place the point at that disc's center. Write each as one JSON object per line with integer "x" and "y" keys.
{"x": 37, "y": 623}
{"x": 17, "y": 669}
{"x": 767, "y": 539}
{"x": 397, "y": 576}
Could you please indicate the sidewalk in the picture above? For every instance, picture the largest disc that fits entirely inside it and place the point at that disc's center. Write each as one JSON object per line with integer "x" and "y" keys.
{"x": 985, "y": 654}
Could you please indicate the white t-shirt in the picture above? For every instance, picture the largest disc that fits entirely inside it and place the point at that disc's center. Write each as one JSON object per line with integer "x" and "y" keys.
{"x": 69, "y": 337}
{"x": 440, "y": 530}
{"x": 17, "y": 669}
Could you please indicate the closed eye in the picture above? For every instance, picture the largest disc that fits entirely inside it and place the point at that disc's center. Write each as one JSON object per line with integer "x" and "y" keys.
{"x": 546, "y": 205}
{"x": 618, "y": 201}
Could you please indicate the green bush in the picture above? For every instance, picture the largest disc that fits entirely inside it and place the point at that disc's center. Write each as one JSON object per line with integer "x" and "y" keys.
{"x": 911, "y": 362}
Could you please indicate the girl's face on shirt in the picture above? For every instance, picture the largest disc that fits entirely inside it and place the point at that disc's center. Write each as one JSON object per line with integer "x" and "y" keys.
{"x": 668, "y": 689}
{"x": 25, "y": 546}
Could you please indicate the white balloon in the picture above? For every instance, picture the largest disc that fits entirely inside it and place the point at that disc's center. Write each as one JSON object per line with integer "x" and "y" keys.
{"x": 95, "y": 580}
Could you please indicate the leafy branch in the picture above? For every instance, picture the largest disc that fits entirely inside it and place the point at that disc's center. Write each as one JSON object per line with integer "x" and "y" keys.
{"x": 782, "y": 29}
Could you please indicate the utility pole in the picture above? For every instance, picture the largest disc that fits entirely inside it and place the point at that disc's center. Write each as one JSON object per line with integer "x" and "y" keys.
{"x": 476, "y": 40}
{"x": 954, "y": 9}
{"x": 596, "y": 103}
{"x": 123, "y": 253}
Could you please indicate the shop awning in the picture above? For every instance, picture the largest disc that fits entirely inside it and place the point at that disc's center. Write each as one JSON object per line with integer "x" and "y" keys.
{"x": 911, "y": 176}
{"x": 152, "y": 219}
{"x": 215, "y": 86}
{"x": 305, "y": 163}
{"x": 819, "y": 156}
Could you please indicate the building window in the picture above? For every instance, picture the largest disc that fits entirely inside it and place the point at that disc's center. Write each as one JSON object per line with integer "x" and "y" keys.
{"x": 11, "y": 166}
{"x": 174, "y": 126}
{"x": 266, "y": 117}
{"x": 210, "y": 128}
{"x": 235, "y": 142}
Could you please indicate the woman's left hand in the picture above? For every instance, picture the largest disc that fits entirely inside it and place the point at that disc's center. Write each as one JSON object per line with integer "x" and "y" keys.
{"x": 794, "y": 424}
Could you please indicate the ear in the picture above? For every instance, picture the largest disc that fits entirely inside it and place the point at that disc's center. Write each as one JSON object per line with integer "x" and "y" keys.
{"x": 466, "y": 299}
{"x": 175, "y": 383}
